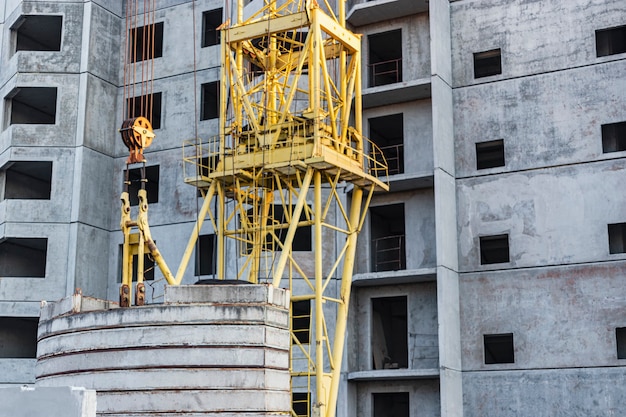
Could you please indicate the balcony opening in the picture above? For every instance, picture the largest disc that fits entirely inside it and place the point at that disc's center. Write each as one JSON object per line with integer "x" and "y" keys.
{"x": 388, "y": 238}
{"x": 387, "y": 132}
{"x": 23, "y": 257}
{"x": 205, "y": 258}
{"x": 33, "y": 105}
{"x": 487, "y": 63}
{"x": 620, "y": 335}
{"x": 611, "y": 41}
{"x": 391, "y": 404}
{"x": 151, "y": 184}
{"x": 148, "y": 106}
{"x": 18, "y": 337}
{"x": 210, "y": 96}
{"x": 28, "y": 180}
{"x": 385, "y": 58}
{"x": 211, "y": 20}
{"x": 498, "y": 348}
{"x": 389, "y": 333}
{"x": 148, "y": 265}
{"x": 38, "y": 33}
{"x": 614, "y": 137}
{"x": 617, "y": 238}
{"x": 301, "y": 321}
{"x": 301, "y": 403}
{"x": 146, "y": 42}
{"x": 494, "y": 249}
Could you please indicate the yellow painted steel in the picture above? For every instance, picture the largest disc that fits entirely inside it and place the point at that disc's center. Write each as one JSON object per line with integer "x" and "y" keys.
{"x": 290, "y": 139}
{"x": 290, "y": 83}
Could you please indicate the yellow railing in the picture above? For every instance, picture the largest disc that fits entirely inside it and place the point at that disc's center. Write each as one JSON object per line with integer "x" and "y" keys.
{"x": 201, "y": 157}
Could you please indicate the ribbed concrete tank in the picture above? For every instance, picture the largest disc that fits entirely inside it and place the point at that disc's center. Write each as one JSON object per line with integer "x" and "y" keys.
{"x": 209, "y": 350}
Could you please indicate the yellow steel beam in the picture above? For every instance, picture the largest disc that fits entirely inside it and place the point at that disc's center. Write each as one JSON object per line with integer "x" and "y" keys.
{"x": 266, "y": 27}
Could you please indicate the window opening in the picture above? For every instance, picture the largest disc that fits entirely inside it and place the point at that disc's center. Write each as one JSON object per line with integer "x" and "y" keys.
{"x": 620, "y": 336}
{"x": 388, "y": 238}
{"x": 141, "y": 106}
{"x": 490, "y": 154}
{"x": 614, "y": 137}
{"x": 33, "y": 105}
{"x": 23, "y": 257}
{"x": 141, "y": 37}
{"x": 38, "y": 33}
{"x": 205, "y": 261}
{"x": 211, "y": 20}
{"x": 302, "y": 240}
{"x": 385, "y": 58}
{"x": 494, "y": 249}
{"x": 391, "y": 404}
{"x": 301, "y": 403}
{"x": 387, "y": 132}
{"x": 487, "y": 63}
{"x": 617, "y": 238}
{"x": 210, "y": 96}
{"x": 611, "y": 41}
{"x": 389, "y": 333}
{"x": 498, "y": 348}
{"x": 19, "y": 337}
{"x": 301, "y": 320}
{"x": 28, "y": 180}
{"x": 151, "y": 186}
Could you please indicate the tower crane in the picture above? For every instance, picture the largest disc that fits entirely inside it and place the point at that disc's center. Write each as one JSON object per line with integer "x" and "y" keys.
{"x": 290, "y": 140}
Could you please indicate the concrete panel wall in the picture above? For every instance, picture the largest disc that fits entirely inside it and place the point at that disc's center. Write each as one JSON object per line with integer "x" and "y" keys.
{"x": 560, "y": 317}
{"x": 419, "y": 224}
{"x": 101, "y": 126}
{"x": 15, "y": 371}
{"x": 53, "y": 286}
{"x": 534, "y": 36}
{"x": 422, "y": 324}
{"x": 67, "y": 60}
{"x": 92, "y": 204}
{"x": 418, "y": 132}
{"x": 104, "y": 47}
{"x": 539, "y": 130}
{"x": 58, "y": 208}
{"x": 545, "y": 393}
{"x": 552, "y": 216}
{"x": 90, "y": 269}
{"x": 61, "y": 401}
{"x": 63, "y": 132}
{"x": 178, "y": 39}
{"x": 415, "y": 45}
{"x": 423, "y": 396}
{"x": 178, "y": 114}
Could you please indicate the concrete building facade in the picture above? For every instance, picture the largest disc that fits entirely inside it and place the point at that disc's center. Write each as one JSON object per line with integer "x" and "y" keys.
{"x": 488, "y": 280}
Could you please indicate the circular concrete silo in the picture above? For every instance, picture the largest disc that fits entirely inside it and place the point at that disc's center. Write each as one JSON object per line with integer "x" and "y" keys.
{"x": 209, "y": 350}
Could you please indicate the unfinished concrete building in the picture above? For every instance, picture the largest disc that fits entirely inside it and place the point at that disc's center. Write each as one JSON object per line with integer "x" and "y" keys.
{"x": 488, "y": 280}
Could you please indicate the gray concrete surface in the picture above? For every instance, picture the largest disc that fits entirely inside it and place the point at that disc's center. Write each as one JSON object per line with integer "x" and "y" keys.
{"x": 560, "y": 293}
{"x": 28, "y": 401}
{"x": 223, "y": 350}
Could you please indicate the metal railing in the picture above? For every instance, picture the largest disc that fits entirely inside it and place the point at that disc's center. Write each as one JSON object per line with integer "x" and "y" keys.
{"x": 386, "y": 72}
{"x": 394, "y": 156}
{"x": 201, "y": 157}
{"x": 389, "y": 253}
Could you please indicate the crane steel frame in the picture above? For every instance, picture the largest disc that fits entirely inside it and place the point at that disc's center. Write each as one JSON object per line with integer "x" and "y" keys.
{"x": 290, "y": 135}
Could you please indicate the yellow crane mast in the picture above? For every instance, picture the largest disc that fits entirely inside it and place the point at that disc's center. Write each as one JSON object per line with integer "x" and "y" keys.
{"x": 290, "y": 140}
